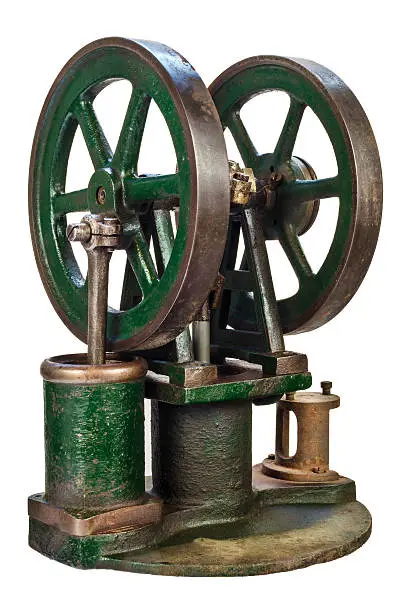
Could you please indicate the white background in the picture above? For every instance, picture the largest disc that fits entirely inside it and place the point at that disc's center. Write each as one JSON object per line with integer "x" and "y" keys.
{"x": 362, "y": 350}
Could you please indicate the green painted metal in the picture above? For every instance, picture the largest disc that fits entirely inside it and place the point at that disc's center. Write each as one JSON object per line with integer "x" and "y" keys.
{"x": 202, "y": 454}
{"x": 70, "y": 106}
{"x": 265, "y": 543}
{"x": 80, "y": 552}
{"x": 229, "y": 100}
{"x": 332, "y": 523}
{"x": 94, "y": 445}
{"x": 253, "y": 388}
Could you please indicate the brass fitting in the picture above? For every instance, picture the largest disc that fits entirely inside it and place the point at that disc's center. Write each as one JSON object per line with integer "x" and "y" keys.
{"x": 242, "y": 184}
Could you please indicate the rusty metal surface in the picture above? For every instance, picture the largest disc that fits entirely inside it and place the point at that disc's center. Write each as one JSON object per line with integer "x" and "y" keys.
{"x": 277, "y": 363}
{"x": 104, "y": 235}
{"x": 98, "y": 281}
{"x": 310, "y": 462}
{"x": 190, "y": 374}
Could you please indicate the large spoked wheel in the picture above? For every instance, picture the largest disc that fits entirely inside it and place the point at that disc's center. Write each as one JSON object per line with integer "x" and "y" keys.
{"x": 357, "y": 184}
{"x": 200, "y": 186}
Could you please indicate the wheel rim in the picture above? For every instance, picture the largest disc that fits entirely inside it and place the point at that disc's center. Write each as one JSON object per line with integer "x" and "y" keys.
{"x": 159, "y": 73}
{"x": 358, "y": 183}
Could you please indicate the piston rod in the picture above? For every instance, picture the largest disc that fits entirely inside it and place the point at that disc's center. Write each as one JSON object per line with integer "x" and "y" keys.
{"x": 201, "y": 334}
{"x": 98, "y": 275}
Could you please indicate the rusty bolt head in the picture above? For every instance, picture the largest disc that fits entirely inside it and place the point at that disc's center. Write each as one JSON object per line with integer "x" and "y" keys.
{"x": 79, "y": 232}
{"x": 319, "y": 470}
{"x": 326, "y": 386}
{"x": 101, "y": 195}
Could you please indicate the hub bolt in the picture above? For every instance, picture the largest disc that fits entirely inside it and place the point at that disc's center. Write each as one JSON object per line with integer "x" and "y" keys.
{"x": 101, "y": 195}
{"x": 79, "y": 232}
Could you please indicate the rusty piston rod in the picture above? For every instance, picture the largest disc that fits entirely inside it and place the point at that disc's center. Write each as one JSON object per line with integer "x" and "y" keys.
{"x": 99, "y": 236}
{"x": 98, "y": 275}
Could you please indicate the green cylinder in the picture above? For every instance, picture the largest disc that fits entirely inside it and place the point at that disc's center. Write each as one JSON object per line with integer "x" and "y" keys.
{"x": 94, "y": 433}
{"x": 202, "y": 453}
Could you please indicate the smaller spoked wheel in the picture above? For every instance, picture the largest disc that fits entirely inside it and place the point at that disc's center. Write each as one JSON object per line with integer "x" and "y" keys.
{"x": 296, "y": 193}
{"x": 168, "y": 298}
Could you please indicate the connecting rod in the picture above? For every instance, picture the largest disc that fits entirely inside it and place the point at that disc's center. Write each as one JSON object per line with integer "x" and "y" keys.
{"x": 99, "y": 236}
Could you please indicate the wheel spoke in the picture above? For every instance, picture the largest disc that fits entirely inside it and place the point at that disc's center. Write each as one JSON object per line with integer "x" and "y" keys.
{"x": 75, "y": 201}
{"x": 155, "y": 187}
{"x": 131, "y": 292}
{"x": 141, "y": 261}
{"x": 305, "y": 191}
{"x": 95, "y": 139}
{"x": 130, "y": 139}
{"x": 242, "y": 139}
{"x": 294, "y": 252}
{"x": 286, "y": 142}
{"x": 165, "y": 235}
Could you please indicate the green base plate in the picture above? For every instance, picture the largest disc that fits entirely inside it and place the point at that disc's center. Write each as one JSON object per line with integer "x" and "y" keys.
{"x": 287, "y": 526}
{"x": 281, "y": 538}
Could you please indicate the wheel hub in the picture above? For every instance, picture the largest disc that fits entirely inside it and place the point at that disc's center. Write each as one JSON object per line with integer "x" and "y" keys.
{"x": 105, "y": 192}
{"x": 280, "y": 212}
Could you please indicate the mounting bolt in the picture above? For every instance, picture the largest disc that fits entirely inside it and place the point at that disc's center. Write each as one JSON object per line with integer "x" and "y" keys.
{"x": 290, "y": 395}
{"x": 326, "y": 386}
{"x": 101, "y": 195}
{"x": 275, "y": 179}
{"x": 319, "y": 470}
{"x": 79, "y": 232}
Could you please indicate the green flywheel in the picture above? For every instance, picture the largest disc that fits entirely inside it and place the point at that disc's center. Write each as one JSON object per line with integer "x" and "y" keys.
{"x": 357, "y": 184}
{"x": 200, "y": 185}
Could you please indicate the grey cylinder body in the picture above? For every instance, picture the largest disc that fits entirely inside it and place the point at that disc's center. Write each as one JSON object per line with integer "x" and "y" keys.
{"x": 201, "y": 453}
